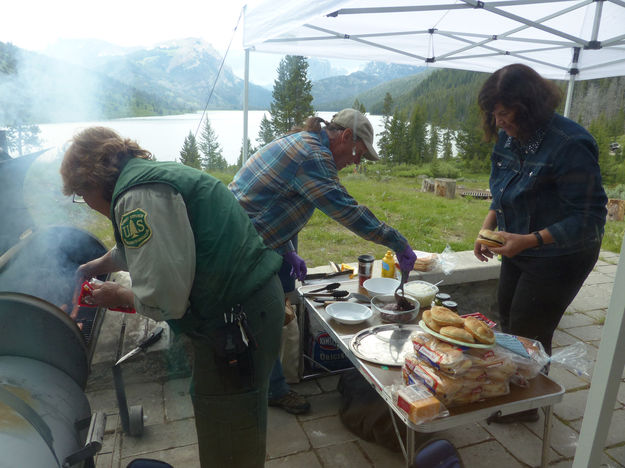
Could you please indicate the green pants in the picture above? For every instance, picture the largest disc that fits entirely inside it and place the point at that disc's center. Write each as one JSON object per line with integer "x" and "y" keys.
{"x": 231, "y": 419}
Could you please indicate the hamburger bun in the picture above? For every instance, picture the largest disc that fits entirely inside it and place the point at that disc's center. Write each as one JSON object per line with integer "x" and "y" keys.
{"x": 446, "y": 317}
{"x": 480, "y": 331}
{"x": 427, "y": 319}
{"x": 490, "y": 238}
{"x": 457, "y": 333}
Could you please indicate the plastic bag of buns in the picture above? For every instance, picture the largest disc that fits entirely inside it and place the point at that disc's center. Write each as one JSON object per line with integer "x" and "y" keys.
{"x": 528, "y": 356}
{"x": 442, "y": 386}
{"x": 440, "y": 354}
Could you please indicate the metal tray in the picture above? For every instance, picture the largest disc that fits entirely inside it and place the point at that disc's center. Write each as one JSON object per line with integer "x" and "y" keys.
{"x": 384, "y": 344}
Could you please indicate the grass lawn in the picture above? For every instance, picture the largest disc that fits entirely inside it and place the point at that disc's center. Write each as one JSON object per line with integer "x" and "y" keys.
{"x": 428, "y": 222}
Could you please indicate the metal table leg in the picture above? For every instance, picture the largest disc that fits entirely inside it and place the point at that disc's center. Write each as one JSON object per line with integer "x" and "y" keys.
{"x": 544, "y": 461}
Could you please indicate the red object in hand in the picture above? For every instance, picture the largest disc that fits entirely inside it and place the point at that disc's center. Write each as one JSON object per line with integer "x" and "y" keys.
{"x": 86, "y": 297}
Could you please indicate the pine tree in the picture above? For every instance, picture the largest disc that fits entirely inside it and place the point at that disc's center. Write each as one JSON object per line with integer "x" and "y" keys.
{"x": 265, "y": 132}
{"x": 189, "y": 154}
{"x": 385, "y": 135}
{"x": 212, "y": 159}
{"x": 359, "y": 106}
{"x": 250, "y": 151}
{"x": 472, "y": 148}
{"x": 292, "y": 96}
{"x": 398, "y": 147}
{"x": 416, "y": 136}
{"x": 433, "y": 143}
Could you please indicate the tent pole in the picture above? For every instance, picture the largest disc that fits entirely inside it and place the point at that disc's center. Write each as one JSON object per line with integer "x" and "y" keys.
{"x": 569, "y": 96}
{"x": 606, "y": 377}
{"x": 573, "y": 71}
{"x": 245, "y": 104}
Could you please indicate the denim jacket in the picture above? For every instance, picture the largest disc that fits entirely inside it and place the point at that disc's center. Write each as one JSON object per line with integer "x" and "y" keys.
{"x": 554, "y": 182}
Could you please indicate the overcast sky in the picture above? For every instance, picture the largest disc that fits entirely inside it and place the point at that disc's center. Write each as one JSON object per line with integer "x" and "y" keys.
{"x": 36, "y": 24}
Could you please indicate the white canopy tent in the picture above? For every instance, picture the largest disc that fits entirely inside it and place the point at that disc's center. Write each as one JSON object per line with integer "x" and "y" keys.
{"x": 560, "y": 39}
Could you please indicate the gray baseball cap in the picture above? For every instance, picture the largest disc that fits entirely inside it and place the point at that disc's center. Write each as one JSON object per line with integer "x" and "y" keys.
{"x": 362, "y": 128}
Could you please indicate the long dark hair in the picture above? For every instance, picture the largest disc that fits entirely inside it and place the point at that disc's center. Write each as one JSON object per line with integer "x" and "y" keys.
{"x": 518, "y": 87}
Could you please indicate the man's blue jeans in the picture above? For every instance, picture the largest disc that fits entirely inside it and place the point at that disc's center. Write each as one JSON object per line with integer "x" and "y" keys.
{"x": 277, "y": 383}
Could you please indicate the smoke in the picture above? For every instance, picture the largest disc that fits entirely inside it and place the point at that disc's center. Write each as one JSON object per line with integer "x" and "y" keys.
{"x": 39, "y": 89}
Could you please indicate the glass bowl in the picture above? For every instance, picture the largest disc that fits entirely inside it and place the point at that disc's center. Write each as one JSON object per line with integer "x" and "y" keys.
{"x": 385, "y": 305}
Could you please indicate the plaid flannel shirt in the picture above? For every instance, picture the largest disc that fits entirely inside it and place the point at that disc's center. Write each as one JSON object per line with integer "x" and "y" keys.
{"x": 282, "y": 183}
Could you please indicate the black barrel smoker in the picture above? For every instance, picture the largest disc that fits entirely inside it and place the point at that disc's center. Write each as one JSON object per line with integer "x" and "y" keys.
{"x": 45, "y": 418}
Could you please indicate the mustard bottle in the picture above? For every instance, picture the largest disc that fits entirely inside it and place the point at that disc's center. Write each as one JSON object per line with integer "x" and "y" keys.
{"x": 388, "y": 265}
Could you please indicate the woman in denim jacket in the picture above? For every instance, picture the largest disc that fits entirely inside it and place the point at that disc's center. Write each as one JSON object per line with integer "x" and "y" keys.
{"x": 548, "y": 201}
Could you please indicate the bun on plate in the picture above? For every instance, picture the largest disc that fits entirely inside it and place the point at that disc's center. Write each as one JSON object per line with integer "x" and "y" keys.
{"x": 490, "y": 238}
{"x": 480, "y": 331}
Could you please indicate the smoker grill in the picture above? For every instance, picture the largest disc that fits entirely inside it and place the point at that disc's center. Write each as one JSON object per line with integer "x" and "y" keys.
{"x": 44, "y": 354}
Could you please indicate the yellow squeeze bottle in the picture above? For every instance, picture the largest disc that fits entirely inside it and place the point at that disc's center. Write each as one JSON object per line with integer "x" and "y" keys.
{"x": 388, "y": 265}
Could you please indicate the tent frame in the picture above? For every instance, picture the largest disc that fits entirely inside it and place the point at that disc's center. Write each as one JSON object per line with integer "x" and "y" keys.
{"x": 610, "y": 359}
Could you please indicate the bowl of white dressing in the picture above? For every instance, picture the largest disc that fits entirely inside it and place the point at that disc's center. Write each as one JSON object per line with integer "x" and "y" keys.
{"x": 423, "y": 291}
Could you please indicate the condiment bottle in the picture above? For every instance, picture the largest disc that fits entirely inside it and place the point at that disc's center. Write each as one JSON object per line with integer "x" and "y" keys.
{"x": 365, "y": 266}
{"x": 388, "y": 265}
{"x": 441, "y": 297}
{"x": 451, "y": 305}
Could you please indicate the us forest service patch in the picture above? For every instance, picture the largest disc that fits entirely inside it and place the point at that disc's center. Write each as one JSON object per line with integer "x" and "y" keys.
{"x": 134, "y": 228}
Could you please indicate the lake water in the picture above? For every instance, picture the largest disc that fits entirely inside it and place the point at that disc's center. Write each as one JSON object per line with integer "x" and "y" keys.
{"x": 164, "y": 136}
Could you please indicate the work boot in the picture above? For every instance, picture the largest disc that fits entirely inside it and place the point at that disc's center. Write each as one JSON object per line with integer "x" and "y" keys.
{"x": 523, "y": 416}
{"x": 292, "y": 402}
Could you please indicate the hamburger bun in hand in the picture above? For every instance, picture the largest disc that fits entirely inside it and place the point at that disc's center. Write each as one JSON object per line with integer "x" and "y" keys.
{"x": 490, "y": 238}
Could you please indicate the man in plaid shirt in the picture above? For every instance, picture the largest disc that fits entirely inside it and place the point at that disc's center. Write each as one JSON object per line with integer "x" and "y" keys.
{"x": 281, "y": 185}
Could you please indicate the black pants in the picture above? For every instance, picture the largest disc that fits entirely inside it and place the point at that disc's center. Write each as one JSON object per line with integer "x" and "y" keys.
{"x": 534, "y": 292}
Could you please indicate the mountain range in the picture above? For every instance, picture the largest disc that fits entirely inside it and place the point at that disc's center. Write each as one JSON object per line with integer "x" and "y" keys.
{"x": 92, "y": 79}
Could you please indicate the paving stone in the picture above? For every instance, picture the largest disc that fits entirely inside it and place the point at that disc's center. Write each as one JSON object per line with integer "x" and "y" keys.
{"x": 475, "y": 456}
{"x": 598, "y": 315}
{"x": 103, "y": 400}
{"x": 520, "y": 442}
{"x": 326, "y": 404}
{"x": 177, "y": 400}
{"x": 608, "y": 269}
{"x": 183, "y": 457}
{"x": 616, "y": 433}
{"x": 328, "y": 384}
{"x": 572, "y": 405}
{"x": 465, "y": 435}
{"x": 596, "y": 277}
{"x": 381, "y": 456}
{"x": 299, "y": 460}
{"x": 285, "y": 436}
{"x": 150, "y": 396}
{"x": 347, "y": 454}
{"x": 587, "y": 333}
{"x": 563, "y": 437}
{"x": 327, "y": 431}
{"x": 105, "y": 460}
{"x": 577, "y": 319}
{"x": 307, "y": 387}
{"x": 562, "y": 338}
{"x": 566, "y": 378}
{"x": 618, "y": 454}
{"x": 160, "y": 437}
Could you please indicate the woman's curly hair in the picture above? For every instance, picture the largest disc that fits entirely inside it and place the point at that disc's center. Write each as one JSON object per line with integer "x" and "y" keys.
{"x": 518, "y": 87}
{"x": 95, "y": 158}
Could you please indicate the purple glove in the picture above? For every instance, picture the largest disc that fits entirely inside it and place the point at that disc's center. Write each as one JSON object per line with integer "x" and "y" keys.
{"x": 406, "y": 259}
{"x": 298, "y": 265}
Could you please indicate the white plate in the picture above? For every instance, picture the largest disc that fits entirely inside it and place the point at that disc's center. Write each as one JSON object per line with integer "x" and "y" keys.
{"x": 381, "y": 286}
{"x": 456, "y": 342}
{"x": 348, "y": 313}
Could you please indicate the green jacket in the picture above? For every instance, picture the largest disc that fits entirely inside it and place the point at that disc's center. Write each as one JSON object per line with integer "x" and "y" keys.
{"x": 231, "y": 259}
